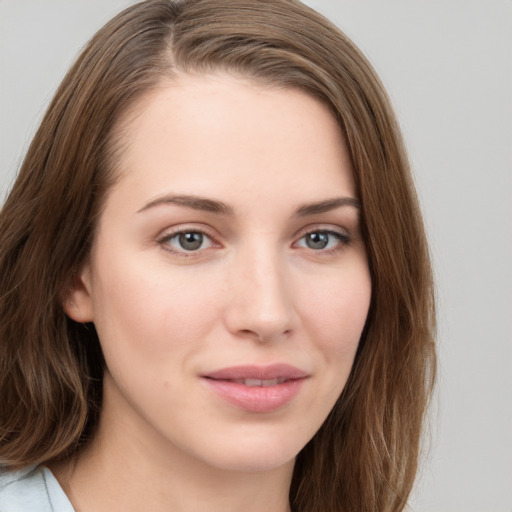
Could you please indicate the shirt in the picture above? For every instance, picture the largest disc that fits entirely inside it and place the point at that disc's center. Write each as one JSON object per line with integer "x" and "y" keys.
{"x": 33, "y": 489}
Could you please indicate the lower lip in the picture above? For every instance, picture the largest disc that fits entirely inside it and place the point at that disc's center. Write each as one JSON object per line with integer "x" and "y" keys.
{"x": 256, "y": 398}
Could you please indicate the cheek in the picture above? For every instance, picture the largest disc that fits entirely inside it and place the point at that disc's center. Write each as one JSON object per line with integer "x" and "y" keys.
{"x": 153, "y": 312}
{"x": 336, "y": 310}
{"x": 334, "y": 318}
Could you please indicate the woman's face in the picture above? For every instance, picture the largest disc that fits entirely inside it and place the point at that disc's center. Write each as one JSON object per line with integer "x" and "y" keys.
{"x": 228, "y": 281}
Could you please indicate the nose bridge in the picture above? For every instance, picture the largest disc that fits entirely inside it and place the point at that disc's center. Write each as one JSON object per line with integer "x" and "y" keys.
{"x": 261, "y": 303}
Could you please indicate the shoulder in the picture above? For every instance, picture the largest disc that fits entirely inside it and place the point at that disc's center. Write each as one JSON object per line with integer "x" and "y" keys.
{"x": 33, "y": 489}
{"x": 24, "y": 491}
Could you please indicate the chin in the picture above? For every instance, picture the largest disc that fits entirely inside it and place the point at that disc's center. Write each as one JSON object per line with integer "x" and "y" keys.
{"x": 252, "y": 458}
{"x": 256, "y": 462}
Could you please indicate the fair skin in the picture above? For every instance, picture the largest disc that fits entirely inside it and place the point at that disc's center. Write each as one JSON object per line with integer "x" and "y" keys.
{"x": 230, "y": 240}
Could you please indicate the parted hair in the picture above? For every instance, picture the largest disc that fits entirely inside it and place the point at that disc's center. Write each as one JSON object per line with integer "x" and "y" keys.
{"x": 365, "y": 455}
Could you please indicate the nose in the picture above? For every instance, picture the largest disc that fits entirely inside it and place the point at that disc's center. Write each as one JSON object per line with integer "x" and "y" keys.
{"x": 260, "y": 303}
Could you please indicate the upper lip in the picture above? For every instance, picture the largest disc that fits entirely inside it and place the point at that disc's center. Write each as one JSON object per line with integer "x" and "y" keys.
{"x": 268, "y": 372}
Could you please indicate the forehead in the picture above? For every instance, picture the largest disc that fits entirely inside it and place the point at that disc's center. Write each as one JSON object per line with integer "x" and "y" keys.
{"x": 224, "y": 134}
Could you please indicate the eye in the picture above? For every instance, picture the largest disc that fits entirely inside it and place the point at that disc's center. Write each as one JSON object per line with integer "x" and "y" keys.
{"x": 187, "y": 241}
{"x": 323, "y": 240}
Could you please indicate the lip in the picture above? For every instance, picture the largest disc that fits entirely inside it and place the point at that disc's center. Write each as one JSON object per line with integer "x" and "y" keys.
{"x": 268, "y": 372}
{"x": 227, "y": 384}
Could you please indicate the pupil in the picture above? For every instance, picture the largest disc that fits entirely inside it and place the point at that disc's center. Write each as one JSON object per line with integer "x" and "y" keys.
{"x": 317, "y": 240}
{"x": 191, "y": 241}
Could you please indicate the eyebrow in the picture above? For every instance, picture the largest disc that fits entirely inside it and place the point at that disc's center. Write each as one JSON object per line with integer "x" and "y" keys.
{"x": 191, "y": 201}
{"x": 327, "y": 205}
{"x": 218, "y": 207}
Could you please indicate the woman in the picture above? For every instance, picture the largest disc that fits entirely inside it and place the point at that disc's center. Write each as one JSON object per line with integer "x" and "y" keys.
{"x": 216, "y": 292}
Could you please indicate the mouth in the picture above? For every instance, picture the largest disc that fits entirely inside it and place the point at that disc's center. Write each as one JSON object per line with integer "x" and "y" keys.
{"x": 253, "y": 375}
{"x": 260, "y": 382}
{"x": 257, "y": 389}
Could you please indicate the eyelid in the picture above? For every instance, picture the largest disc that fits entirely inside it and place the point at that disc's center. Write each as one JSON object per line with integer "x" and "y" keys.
{"x": 340, "y": 233}
{"x": 170, "y": 233}
{"x": 325, "y": 228}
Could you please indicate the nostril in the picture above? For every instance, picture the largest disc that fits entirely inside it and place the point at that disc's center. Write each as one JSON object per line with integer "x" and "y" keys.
{"x": 253, "y": 334}
{"x": 264, "y": 336}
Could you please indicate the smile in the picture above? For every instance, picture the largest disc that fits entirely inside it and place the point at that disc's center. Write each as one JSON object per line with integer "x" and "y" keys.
{"x": 260, "y": 382}
{"x": 257, "y": 389}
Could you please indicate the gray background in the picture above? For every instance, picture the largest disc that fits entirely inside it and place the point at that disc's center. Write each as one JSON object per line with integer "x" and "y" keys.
{"x": 447, "y": 65}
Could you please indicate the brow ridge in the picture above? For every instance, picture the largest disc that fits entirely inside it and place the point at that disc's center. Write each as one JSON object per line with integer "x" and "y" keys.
{"x": 218, "y": 207}
{"x": 191, "y": 201}
{"x": 327, "y": 205}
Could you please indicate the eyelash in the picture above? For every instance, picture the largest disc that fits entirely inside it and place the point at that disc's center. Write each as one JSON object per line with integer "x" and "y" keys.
{"x": 343, "y": 238}
{"x": 165, "y": 240}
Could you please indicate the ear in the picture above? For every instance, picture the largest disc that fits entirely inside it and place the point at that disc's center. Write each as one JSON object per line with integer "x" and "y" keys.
{"x": 77, "y": 297}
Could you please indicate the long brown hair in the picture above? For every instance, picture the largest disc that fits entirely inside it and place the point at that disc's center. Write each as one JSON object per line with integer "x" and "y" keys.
{"x": 365, "y": 455}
